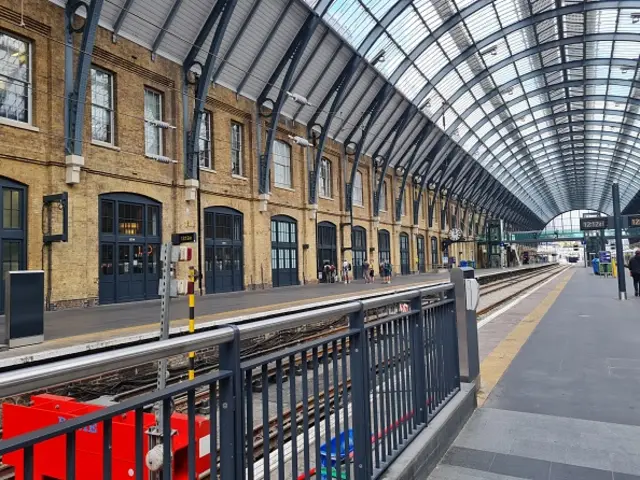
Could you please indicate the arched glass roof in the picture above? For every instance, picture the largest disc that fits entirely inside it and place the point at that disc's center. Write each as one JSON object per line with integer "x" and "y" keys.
{"x": 542, "y": 93}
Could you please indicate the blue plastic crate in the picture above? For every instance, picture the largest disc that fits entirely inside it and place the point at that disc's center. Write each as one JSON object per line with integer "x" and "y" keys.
{"x": 334, "y": 455}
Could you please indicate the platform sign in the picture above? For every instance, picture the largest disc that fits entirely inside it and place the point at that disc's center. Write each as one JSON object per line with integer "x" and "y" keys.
{"x": 605, "y": 256}
{"x": 179, "y": 238}
{"x": 633, "y": 221}
{"x": 594, "y": 223}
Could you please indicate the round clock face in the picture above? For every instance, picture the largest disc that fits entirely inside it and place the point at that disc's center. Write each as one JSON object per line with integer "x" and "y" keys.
{"x": 455, "y": 234}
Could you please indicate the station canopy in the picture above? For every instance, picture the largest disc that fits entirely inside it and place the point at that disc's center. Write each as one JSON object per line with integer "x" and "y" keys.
{"x": 541, "y": 94}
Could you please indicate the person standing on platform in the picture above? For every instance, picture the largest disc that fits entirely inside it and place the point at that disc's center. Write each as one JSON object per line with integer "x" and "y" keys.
{"x": 634, "y": 266}
{"x": 346, "y": 266}
{"x": 371, "y": 273}
{"x": 365, "y": 271}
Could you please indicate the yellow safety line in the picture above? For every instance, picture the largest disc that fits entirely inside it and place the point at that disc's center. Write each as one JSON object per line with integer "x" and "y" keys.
{"x": 496, "y": 363}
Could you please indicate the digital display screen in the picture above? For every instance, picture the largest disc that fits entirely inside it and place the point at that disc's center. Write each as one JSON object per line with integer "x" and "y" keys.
{"x": 594, "y": 223}
{"x": 634, "y": 221}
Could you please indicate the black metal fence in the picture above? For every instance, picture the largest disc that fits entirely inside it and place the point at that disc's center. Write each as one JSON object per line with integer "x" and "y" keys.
{"x": 341, "y": 404}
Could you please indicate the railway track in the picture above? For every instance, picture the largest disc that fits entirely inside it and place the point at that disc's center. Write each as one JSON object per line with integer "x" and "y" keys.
{"x": 259, "y": 435}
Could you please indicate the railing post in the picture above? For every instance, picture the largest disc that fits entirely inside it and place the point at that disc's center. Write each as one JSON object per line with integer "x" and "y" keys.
{"x": 466, "y": 297}
{"x": 360, "y": 396}
{"x": 231, "y": 431}
{"x": 418, "y": 361}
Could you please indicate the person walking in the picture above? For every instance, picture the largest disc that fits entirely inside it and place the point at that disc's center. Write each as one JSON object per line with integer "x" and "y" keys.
{"x": 371, "y": 273}
{"x": 365, "y": 271}
{"x": 634, "y": 267}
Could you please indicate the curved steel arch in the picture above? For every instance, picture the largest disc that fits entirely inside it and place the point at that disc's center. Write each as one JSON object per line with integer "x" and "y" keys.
{"x": 589, "y": 62}
{"x": 528, "y": 22}
{"x": 538, "y": 142}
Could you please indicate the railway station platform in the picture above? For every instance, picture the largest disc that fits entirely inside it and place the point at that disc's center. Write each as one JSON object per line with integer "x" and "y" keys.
{"x": 73, "y": 331}
{"x": 559, "y": 391}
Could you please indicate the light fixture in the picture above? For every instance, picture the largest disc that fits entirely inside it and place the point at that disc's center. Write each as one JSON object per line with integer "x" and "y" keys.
{"x": 299, "y": 99}
{"x": 399, "y": 171}
{"x": 509, "y": 91}
{"x": 635, "y": 17}
{"x": 379, "y": 58}
{"x": 417, "y": 178}
{"x": 303, "y": 142}
{"x": 491, "y": 51}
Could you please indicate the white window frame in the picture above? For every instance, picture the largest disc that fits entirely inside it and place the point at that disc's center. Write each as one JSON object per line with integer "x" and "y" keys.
{"x": 149, "y": 124}
{"x": 110, "y": 109}
{"x": 29, "y": 121}
{"x": 206, "y": 139}
{"x": 237, "y": 151}
{"x": 383, "y": 197}
{"x": 282, "y": 164}
{"x": 357, "y": 186}
{"x": 403, "y": 202}
{"x": 325, "y": 179}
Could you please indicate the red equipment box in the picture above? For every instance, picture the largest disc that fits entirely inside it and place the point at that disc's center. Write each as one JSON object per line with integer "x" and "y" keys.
{"x": 50, "y": 456}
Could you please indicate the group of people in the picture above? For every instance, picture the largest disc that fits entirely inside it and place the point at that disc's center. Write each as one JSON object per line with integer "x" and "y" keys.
{"x": 368, "y": 272}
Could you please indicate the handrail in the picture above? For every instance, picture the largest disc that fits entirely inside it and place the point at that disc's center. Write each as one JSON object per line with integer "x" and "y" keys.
{"x": 28, "y": 379}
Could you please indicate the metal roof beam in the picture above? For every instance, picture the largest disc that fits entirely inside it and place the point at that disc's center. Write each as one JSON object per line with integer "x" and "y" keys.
{"x": 290, "y": 61}
{"x": 120, "y": 20}
{"x": 221, "y": 13}
{"x": 165, "y": 27}
{"x": 337, "y": 92}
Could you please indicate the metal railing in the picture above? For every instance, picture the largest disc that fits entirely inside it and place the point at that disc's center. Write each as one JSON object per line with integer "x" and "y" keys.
{"x": 340, "y": 404}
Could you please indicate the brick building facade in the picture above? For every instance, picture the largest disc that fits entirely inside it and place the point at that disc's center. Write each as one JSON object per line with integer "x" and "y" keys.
{"x": 131, "y": 193}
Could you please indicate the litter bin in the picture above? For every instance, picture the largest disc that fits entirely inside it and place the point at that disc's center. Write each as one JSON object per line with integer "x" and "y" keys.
{"x": 464, "y": 263}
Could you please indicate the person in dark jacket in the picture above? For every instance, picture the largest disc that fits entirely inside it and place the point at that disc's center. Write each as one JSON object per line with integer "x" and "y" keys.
{"x": 634, "y": 266}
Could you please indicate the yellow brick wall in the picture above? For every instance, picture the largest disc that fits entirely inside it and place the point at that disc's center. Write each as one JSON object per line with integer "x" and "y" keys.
{"x": 36, "y": 157}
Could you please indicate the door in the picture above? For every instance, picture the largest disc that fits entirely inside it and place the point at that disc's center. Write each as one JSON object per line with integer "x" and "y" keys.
{"x": 129, "y": 248}
{"x": 284, "y": 251}
{"x": 12, "y": 230}
{"x": 384, "y": 247}
{"x": 421, "y": 255}
{"x": 223, "y": 250}
{"x": 327, "y": 248}
{"x": 405, "y": 268}
{"x": 359, "y": 249}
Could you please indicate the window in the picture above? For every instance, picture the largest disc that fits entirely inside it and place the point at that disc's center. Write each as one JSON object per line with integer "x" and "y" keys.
{"x": 107, "y": 216}
{"x": 236, "y": 149}
{"x": 325, "y": 178}
{"x": 12, "y": 208}
{"x": 15, "y": 78}
{"x": 403, "y": 203}
{"x": 204, "y": 140}
{"x": 102, "y": 114}
{"x": 282, "y": 164}
{"x": 130, "y": 219}
{"x": 383, "y": 197}
{"x": 357, "y": 190}
{"x": 152, "y": 115}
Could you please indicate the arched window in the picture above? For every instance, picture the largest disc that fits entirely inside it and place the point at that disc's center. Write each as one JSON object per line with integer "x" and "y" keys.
{"x": 282, "y": 164}
{"x": 383, "y": 197}
{"x": 357, "y": 190}
{"x": 325, "y": 178}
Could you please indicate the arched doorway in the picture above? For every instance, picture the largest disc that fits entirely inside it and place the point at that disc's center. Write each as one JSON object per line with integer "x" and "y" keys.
{"x": 327, "y": 245}
{"x": 223, "y": 267}
{"x": 13, "y": 230}
{"x": 284, "y": 251}
{"x": 434, "y": 252}
{"x": 130, "y": 238}
{"x": 420, "y": 247}
{"x": 384, "y": 247}
{"x": 359, "y": 250}
{"x": 405, "y": 268}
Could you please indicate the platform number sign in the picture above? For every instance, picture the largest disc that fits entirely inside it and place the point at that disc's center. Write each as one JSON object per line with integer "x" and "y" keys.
{"x": 594, "y": 223}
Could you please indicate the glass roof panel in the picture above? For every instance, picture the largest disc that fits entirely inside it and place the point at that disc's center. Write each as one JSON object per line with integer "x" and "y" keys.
{"x": 530, "y": 106}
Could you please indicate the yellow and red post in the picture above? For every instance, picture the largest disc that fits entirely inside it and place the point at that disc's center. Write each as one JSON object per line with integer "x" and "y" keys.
{"x": 192, "y": 317}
